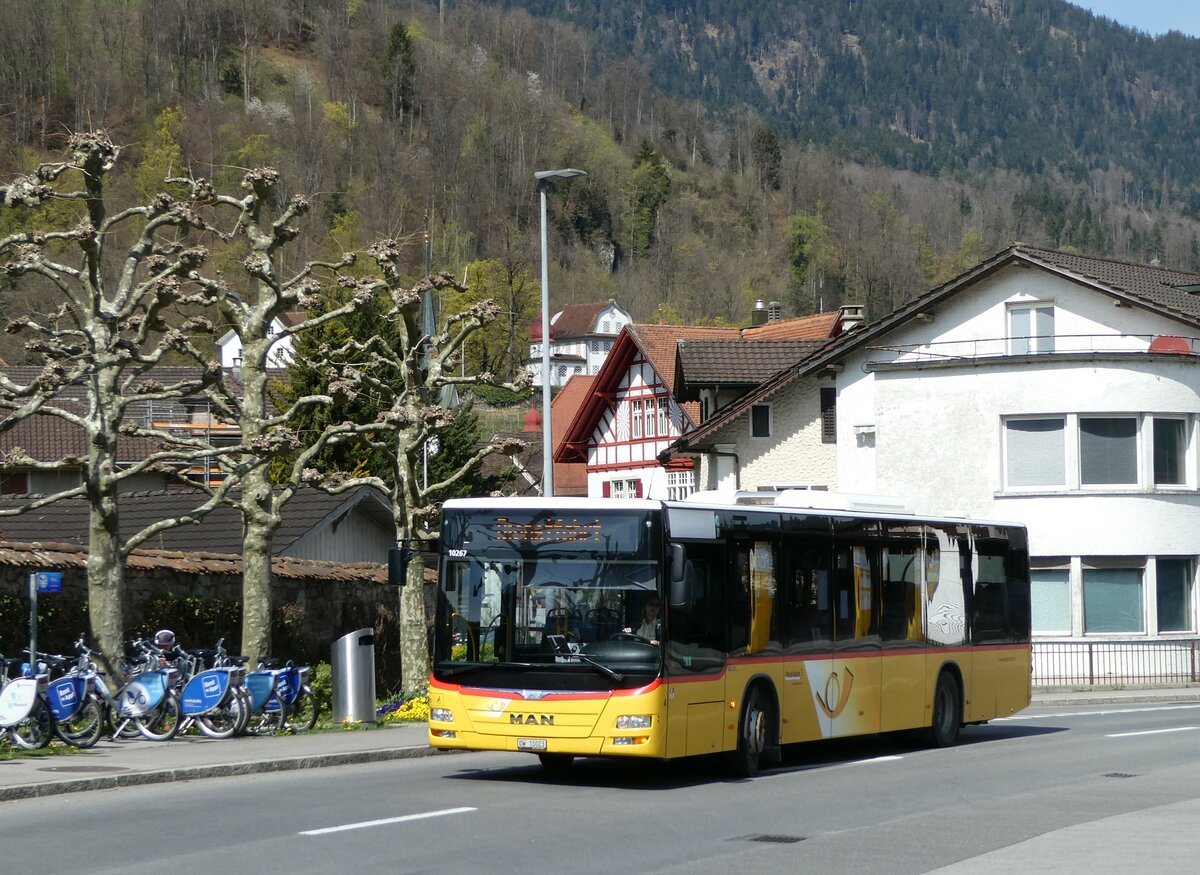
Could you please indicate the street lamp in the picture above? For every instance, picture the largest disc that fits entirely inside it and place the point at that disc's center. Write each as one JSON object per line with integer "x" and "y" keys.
{"x": 544, "y": 179}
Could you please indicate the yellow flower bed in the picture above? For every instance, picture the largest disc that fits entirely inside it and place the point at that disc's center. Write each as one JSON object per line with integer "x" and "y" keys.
{"x": 414, "y": 710}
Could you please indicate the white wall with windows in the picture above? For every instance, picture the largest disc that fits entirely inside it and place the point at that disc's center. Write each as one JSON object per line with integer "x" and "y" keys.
{"x": 578, "y": 355}
{"x": 1032, "y": 398}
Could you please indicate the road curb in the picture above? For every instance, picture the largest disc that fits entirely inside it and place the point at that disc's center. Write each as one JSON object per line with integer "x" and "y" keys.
{"x": 219, "y": 770}
{"x": 1101, "y": 699}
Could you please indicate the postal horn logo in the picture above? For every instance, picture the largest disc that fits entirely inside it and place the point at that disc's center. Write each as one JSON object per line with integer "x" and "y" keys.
{"x": 837, "y": 693}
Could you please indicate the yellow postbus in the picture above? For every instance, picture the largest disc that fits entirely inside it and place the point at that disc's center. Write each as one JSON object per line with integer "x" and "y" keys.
{"x": 776, "y": 622}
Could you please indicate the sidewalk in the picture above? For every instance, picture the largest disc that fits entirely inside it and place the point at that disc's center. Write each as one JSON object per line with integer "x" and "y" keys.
{"x": 127, "y": 763}
{"x": 130, "y": 762}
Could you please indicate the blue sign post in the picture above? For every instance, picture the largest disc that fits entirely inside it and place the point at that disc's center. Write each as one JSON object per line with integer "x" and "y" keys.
{"x": 39, "y": 581}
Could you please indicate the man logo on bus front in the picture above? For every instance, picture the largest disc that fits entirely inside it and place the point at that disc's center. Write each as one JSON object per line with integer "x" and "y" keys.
{"x": 532, "y": 719}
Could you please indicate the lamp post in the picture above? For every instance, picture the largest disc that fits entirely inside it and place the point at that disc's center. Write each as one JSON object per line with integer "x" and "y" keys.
{"x": 544, "y": 179}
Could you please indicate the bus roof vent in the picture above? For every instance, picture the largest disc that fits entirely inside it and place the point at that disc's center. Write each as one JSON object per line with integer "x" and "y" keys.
{"x": 822, "y": 500}
{"x": 763, "y": 497}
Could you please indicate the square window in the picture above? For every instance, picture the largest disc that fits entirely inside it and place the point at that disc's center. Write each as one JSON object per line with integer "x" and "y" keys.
{"x": 1112, "y": 600}
{"x": 1035, "y": 452}
{"x": 760, "y": 420}
{"x": 1031, "y": 329}
{"x": 1170, "y": 448}
{"x": 1174, "y": 591}
{"x": 1050, "y": 592}
{"x": 1108, "y": 450}
{"x": 680, "y": 484}
{"x": 828, "y": 416}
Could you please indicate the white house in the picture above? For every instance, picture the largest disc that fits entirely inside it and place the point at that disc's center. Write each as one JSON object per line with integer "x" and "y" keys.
{"x": 1052, "y": 389}
{"x": 581, "y": 337}
{"x": 281, "y": 352}
{"x": 641, "y": 401}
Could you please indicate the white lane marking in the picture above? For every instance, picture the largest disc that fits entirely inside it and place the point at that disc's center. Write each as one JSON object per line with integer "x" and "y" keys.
{"x": 884, "y": 759}
{"x": 1096, "y": 713}
{"x": 1150, "y": 732}
{"x": 367, "y": 823}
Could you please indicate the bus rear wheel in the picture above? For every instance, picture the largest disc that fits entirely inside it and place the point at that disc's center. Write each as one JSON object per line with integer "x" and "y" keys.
{"x": 947, "y": 712}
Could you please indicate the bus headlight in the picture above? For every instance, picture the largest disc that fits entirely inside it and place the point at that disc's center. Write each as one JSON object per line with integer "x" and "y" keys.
{"x": 634, "y": 721}
{"x": 442, "y": 715}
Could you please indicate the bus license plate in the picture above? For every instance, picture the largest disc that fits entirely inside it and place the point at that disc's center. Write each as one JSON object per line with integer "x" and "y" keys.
{"x": 531, "y": 744}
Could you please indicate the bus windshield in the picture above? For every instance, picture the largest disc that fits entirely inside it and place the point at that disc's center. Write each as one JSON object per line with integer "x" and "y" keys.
{"x": 573, "y": 593}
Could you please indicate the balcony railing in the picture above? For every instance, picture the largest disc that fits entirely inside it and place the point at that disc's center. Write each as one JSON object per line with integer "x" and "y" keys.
{"x": 951, "y": 351}
{"x": 1116, "y": 662}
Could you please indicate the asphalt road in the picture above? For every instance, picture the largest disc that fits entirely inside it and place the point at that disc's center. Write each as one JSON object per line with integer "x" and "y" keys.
{"x": 1089, "y": 789}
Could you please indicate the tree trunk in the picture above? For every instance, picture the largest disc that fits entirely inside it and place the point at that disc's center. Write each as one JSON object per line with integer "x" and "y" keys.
{"x": 260, "y": 524}
{"x": 106, "y": 585}
{"x": 414, "y": 648}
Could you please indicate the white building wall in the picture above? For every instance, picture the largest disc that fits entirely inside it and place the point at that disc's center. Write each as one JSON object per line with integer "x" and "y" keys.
{"x": 279, "y": 356}
{"x": 934, "y": 436}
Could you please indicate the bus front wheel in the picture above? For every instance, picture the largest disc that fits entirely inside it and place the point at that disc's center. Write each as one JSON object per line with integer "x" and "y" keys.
{"x": 756, "y": 737}
{"x": 947, "y": 712}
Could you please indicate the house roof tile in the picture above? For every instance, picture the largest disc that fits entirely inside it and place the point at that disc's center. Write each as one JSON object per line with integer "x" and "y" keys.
{"x": 737, "y": 362}
{"x": 570, "y": 478}
{"x": 818, "y": 326}
{"x": 56, "y": 554}
{"x": 579, "y": 320}
{"x": 67, "y": 520}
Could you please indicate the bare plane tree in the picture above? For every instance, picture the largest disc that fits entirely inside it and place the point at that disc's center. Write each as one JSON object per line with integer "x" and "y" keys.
{"x": 122, "y": 279}
{"x": 411, "y": 417}
{"x": 266, "y": 297}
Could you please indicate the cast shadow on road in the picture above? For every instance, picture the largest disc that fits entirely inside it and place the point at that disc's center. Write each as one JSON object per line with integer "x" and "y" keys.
{"x": 654, "y": 775}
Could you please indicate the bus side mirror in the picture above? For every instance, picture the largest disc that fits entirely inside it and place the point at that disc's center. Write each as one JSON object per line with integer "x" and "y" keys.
{"x": 680, "y": 595}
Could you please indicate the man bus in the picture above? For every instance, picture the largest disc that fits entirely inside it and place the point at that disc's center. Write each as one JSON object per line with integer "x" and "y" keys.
{"x": 780, "y": 622}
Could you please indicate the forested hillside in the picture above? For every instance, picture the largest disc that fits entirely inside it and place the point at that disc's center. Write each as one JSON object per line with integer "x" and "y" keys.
{"x": 934, "y": 86}
{"x": 811, "y": 153}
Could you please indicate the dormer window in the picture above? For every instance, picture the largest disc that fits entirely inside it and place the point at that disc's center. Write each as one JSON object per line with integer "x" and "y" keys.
{"x": 1031, "y": 328}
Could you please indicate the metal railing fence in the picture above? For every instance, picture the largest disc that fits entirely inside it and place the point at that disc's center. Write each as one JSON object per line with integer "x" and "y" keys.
{"x": 1109, "y": 661}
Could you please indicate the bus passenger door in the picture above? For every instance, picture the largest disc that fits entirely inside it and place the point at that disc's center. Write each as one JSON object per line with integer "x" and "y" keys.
{"x": 695, "y": 658}
{"x": 805, "y": 598}
{"x": 754, "y": 640}
{"x": 852, "y": 694}
{"x": 901, "y": 633}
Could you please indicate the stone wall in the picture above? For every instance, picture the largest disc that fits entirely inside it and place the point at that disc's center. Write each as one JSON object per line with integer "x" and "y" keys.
{"x": 199, "y": 597}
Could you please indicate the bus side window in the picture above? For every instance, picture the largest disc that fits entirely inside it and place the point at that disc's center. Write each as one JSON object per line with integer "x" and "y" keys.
{"x": 739, "y": 593}
{"x": 901, "y": 590}
{"x": 809, "y": 598}
{"x": 999, "y": 609}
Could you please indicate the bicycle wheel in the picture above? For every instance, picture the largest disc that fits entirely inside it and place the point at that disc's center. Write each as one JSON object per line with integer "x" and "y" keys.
{"x": 161, "y": 723}
{"x": 302, "y": 713}
{"x": 84, "y": 728}
{"x": 244, "y": 710}
{"x": 35, "y": 730}
{"x": 122, "y": 727}
{"x": 222, "y": 721}
{"x": 271, "y": 719}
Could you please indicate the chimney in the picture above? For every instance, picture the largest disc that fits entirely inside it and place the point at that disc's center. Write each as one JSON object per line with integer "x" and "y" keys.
{"x": 758, "y": 316}
{"x": 852, "y": 316}
{"x": 774, "y": 311}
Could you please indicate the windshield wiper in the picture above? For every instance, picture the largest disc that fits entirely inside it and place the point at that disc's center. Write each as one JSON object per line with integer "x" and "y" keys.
{"x": 601, "y": 667}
